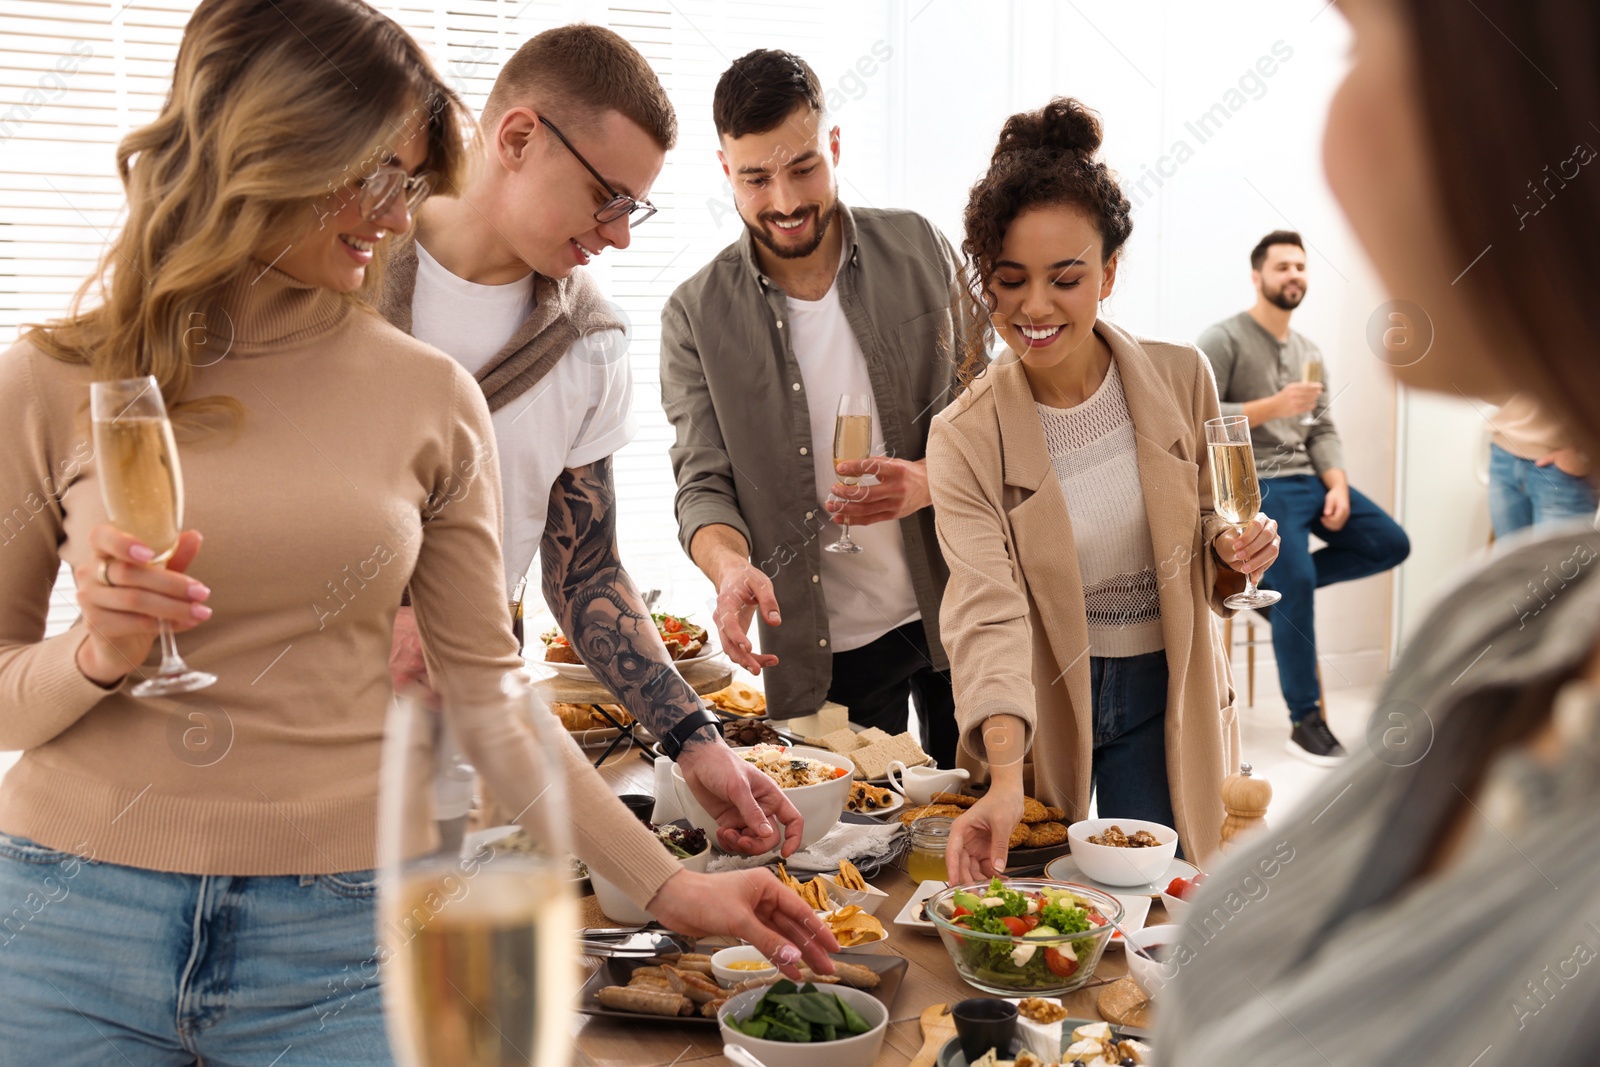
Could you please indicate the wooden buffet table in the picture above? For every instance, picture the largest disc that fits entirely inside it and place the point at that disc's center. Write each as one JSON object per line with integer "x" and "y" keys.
{"x": 930, "y": 979}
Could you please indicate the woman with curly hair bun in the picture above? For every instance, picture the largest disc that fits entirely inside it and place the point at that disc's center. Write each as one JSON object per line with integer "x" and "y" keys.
{"x": 1073, "y": 496}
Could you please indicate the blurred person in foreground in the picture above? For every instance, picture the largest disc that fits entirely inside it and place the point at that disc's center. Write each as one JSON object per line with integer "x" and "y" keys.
{"x": 1438, "y": 899}
{"x": 1072, "y": 487}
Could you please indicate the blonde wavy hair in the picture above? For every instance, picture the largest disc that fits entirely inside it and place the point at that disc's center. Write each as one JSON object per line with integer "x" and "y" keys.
{"x": 274, "y": 105}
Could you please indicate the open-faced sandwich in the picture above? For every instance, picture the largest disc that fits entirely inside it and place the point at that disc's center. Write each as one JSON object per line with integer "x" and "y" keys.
{"x": 683, "y": 638}
{"x": 557, "y": 649}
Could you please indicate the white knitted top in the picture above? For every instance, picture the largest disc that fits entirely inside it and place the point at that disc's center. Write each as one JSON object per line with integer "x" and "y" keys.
{"x": 1096, "y": 461}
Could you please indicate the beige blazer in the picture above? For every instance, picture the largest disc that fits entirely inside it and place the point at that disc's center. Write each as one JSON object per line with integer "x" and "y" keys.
{"x": 1014, "y": 621}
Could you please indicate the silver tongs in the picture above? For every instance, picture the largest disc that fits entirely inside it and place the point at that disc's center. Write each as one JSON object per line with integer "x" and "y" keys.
{"x": 631, "y": 942}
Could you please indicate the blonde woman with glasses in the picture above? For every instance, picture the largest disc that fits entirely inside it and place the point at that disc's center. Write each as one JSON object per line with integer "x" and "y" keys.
{"x": 188, "y": 879}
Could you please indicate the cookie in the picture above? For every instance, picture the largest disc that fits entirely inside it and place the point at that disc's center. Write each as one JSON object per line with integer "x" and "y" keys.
{"x": 1055, "y": 814}
{"x": 1033, "y": 811}
{"x": 1044, "y": 834}
{"x": 1018, "y": 835}
{"x": 960, "y": 800}
{"x": 928, "y": 811}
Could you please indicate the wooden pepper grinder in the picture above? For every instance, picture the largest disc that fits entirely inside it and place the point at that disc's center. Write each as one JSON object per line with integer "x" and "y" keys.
{"x": 1245, "y": 799}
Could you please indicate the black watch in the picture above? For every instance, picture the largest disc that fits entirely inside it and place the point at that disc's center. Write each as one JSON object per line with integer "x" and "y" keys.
{"x": 672, "y": 744}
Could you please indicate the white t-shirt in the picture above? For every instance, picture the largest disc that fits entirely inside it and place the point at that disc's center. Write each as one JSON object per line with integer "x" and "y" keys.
{"x": 580, "y": 412}
{"x": 868, "y": 593}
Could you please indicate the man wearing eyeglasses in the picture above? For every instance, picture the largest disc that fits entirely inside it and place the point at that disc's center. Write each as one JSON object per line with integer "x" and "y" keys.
{"x": 577, "y": 128}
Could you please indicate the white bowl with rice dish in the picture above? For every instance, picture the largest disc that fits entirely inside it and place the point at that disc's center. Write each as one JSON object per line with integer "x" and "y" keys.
{"x": 810, "y": 777}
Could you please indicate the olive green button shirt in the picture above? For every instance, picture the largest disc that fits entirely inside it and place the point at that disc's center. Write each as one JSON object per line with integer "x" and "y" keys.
{"x": 732, "y": 389}
{"x": 1251, "y": 364}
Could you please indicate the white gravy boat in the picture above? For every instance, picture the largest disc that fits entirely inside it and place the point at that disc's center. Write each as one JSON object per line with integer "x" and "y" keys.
{"x": 918, "y": 784}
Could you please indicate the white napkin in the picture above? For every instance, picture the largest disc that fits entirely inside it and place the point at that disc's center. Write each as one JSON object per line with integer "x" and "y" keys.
{"x": 856, "y": 842}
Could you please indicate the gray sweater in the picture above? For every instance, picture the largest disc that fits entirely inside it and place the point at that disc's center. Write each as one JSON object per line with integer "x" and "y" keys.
{"x": 1316, "y": 944}
{"x": 1251, "y": 364}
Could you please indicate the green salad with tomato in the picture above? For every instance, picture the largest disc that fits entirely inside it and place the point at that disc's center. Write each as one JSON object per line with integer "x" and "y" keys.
{"x": 1040, "y": 921}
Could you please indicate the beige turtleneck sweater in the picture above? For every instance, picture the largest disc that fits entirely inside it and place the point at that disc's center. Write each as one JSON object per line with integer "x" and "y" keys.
{"x": 313, "y": 516}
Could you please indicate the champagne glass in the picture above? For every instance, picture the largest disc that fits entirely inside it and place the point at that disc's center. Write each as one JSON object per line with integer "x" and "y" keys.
{"x": 517, "y": 595}
{"x": 852, "y": 439}
{"x": 478, "y": 948}
{"x": 1235, "y": 493}
{"x": 136, "y": 461}
{"x": 1311, "y": 371}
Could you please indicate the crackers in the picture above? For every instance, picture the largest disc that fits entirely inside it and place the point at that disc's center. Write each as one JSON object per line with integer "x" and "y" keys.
{"x": 851, "y": 927}
{"x": 815, "y": 891}
{"x": 740, "y": 698}
{"x": 873, "y": 750}
{"x": 850, "y": 876}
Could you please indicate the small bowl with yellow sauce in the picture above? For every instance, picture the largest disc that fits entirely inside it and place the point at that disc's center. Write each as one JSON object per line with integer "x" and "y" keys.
{"x": 740, "y": 964}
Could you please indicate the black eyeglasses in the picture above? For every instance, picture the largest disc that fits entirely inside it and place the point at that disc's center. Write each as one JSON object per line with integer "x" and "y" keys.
{"x": 620, "y": 204}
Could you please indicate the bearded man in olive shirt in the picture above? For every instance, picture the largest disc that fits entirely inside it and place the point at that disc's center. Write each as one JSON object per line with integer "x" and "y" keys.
{"x": 815, "y": 300}
{"x": 1260, "y": 367}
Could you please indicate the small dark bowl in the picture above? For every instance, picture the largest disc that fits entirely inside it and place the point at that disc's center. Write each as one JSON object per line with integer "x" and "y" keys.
{"x": 643, "y": 805}
{"x": 983, "y": 1023}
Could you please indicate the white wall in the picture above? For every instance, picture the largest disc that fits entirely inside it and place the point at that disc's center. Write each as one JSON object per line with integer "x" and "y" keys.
{"x": 917, "y": 127}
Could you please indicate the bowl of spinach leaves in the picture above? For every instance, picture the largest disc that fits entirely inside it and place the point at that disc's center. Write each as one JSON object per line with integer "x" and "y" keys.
{"x": 786, "y": 1025}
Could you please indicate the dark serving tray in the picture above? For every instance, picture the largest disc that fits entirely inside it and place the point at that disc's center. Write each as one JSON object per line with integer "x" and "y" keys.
{"x": 616, "y": 971}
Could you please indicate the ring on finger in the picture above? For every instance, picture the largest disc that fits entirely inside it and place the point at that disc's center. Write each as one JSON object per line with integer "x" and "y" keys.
{"x": 103, "y": 572}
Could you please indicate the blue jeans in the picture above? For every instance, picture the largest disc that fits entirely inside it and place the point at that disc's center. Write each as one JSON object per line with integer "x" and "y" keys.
{"x": 1522, "y": 494}
{"x": 102, "y": 964}
{"x": 1370, "y": 542}
{"x": 1129, "y": 772}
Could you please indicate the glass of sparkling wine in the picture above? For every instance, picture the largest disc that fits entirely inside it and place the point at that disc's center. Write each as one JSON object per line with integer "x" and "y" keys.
{"x": 517, "y": 594}
{"x": 136, "y": 461}
{"x": 1235, "y": 493}
{"x": 852, "y": 439}
{"x": 1311, "y": 372}
{"x": 477, "y": 952}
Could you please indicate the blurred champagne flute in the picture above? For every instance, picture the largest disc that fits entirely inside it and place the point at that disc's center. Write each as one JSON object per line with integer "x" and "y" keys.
{"x": 517, "y": 596}
{"x": 1311, "y": 371}
{"x": 852, "y": 440}
{"x": 479, "y": 953}
{"x": 1235, "y": 493}
{"x": 141, "y": 484}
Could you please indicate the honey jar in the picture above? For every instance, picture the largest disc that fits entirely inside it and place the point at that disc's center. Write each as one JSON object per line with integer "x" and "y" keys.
{"x": 925, "y": 860}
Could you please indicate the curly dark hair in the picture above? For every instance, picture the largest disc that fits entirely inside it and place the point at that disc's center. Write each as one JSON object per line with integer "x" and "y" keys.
{"x": 1043, "y": 157}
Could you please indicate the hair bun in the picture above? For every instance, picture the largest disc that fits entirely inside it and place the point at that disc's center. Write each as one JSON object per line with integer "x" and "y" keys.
{"x": 1062, "y": 125}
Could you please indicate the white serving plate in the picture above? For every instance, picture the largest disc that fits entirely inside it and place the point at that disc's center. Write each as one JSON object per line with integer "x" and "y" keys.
{"x": 1066, "y": 869}
{"x": 908, "y": 914}
{"x": 579, "y": 672}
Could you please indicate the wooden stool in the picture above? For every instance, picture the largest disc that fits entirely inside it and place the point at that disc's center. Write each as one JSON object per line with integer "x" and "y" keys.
{"x": 1250, "y": 643}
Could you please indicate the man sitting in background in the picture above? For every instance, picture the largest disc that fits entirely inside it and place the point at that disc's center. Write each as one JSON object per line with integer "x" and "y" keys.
{"x": 1262, "y": 373}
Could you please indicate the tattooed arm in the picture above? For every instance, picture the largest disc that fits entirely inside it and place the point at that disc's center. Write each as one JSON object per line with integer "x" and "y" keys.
{"x": 602, "y": 614}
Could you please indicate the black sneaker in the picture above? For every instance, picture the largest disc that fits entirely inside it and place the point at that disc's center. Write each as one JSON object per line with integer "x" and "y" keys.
{"x": 1313, "y": 742}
